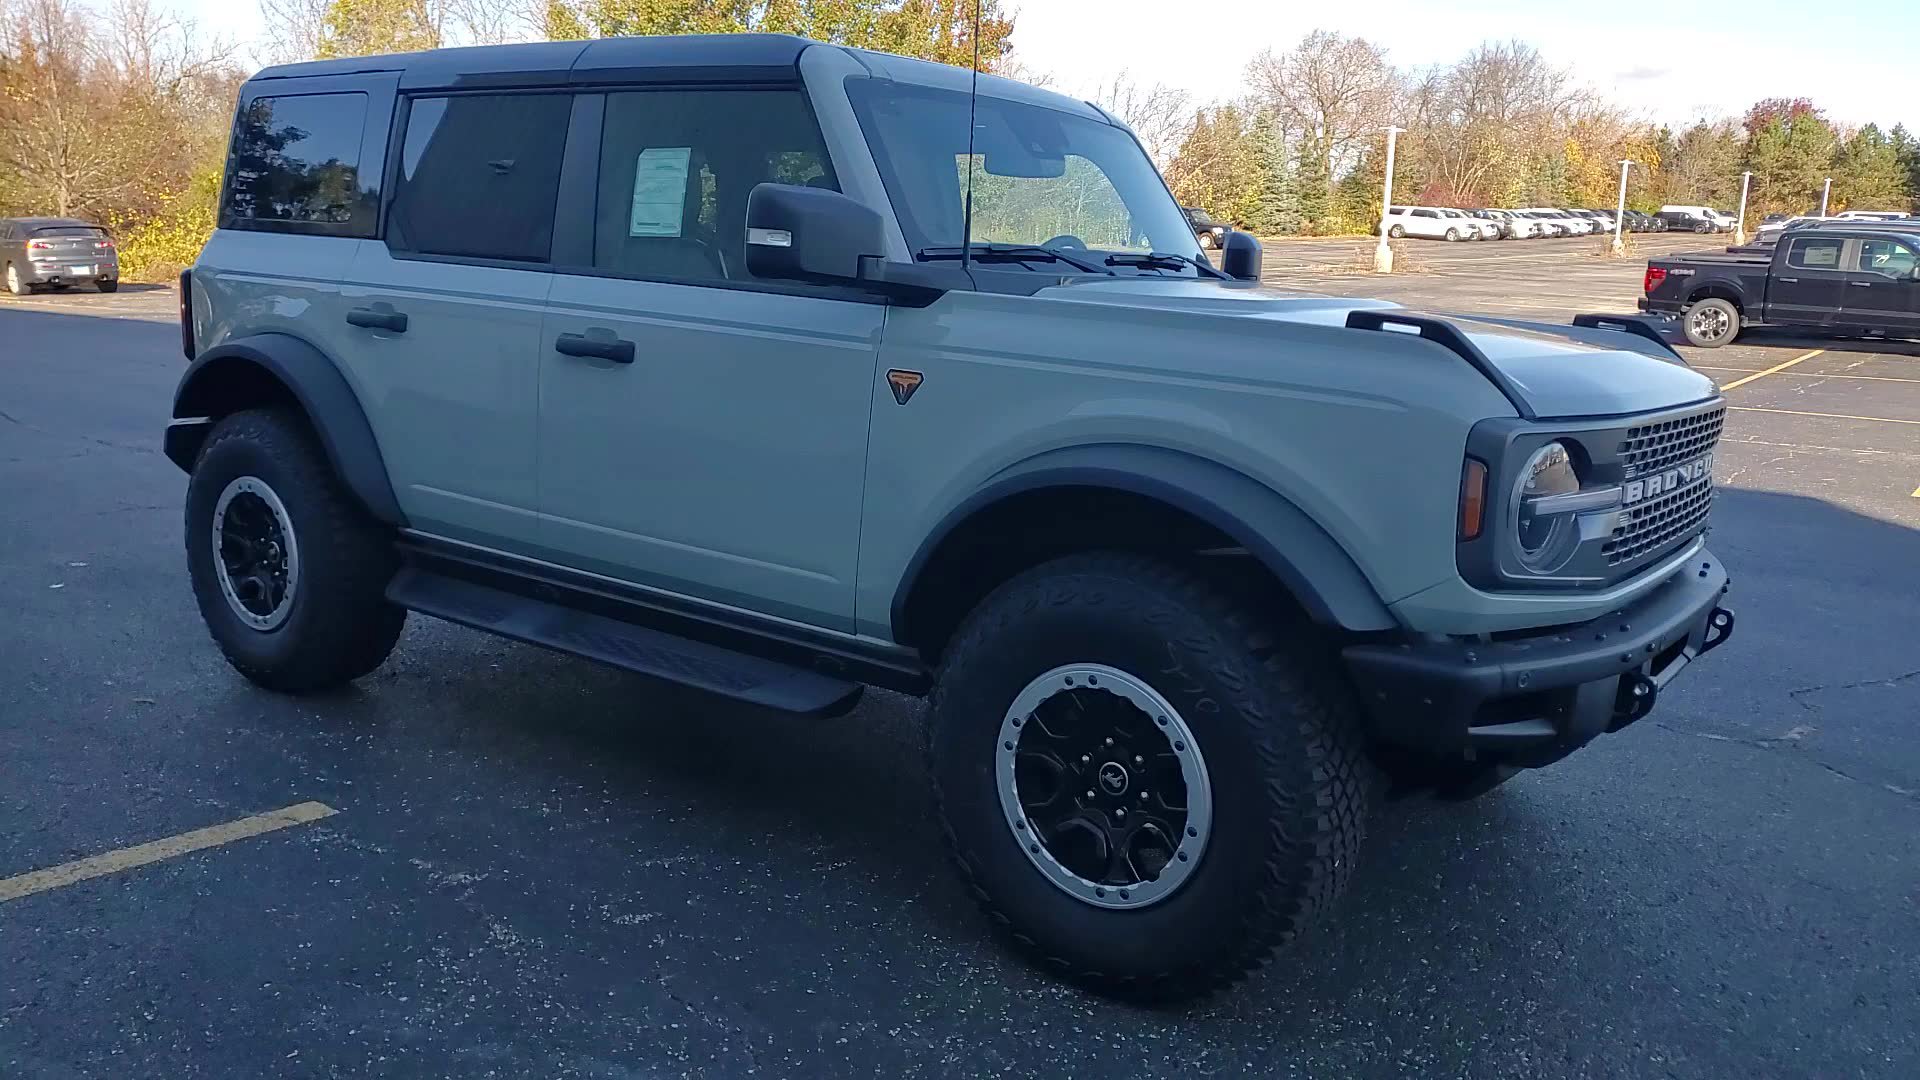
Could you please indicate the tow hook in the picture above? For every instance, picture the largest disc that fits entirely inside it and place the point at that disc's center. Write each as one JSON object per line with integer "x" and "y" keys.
{"x": 1636, "y": 698}
{"x": 1719, "y": 629}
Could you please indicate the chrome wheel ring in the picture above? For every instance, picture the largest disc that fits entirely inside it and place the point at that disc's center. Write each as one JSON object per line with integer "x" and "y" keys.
{"x": 1103, "y": 786}
{"x": 256, "y": 557}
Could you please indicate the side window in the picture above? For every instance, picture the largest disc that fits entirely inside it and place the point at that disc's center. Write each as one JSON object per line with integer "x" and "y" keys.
{"x": 1886, "y": 257}
{"x": 478, "y": 176}
{"x": 1815, "y": 253}
{"x": 675, "y": 170}
{"x": 296, "y": 159}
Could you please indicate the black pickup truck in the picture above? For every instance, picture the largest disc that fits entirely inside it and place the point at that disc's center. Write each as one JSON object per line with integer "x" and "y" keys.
{"x": 1832, "y": 281}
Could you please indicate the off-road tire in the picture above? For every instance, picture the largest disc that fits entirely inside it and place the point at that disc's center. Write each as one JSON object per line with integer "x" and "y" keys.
{"x": 1291, "y": 789}
{"x": 107, "y": 286}
{"x": 339, "y": 625}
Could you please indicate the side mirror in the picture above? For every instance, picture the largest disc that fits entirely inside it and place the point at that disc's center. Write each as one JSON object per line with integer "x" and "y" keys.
{"x": 810, "y": 234}
{"x": 1240, "y": 258}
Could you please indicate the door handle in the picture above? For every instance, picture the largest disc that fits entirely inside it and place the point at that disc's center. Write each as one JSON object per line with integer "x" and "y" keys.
{"x": 374, "y": 319}
{"x": 1788, "y": 280}
{"x": 618, "y": 350}
{"x": 1861, "y": 284}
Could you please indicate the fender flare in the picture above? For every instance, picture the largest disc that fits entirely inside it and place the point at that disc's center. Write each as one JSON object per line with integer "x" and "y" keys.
{"x": 315, "y": 383}
{"x": 1313, "y": 566}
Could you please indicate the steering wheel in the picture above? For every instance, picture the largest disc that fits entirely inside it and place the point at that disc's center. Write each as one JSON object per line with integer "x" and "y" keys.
{"x": 1071, "y": 243}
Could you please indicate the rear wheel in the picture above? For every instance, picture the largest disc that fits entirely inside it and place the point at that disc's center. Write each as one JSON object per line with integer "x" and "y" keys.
{"x": 289, "y": 571}
{"x": 1711, "y": 323}
{"x": 15, "y": 283}
{"x": 1145, "y": 787}
{"x": 1206, "y": 242}
{"x": 105, "y": 285}
{"x": 1397, "y": 232}
{"x": 1453, "y": 234}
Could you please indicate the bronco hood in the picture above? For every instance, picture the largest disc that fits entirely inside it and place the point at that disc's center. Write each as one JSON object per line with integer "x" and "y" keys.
{"x": 1553, "y": 371}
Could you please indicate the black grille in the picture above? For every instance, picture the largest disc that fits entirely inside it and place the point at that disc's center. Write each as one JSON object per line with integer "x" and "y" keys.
{"x": 1650, "y": 448}
{"x": 1650, "y": 526}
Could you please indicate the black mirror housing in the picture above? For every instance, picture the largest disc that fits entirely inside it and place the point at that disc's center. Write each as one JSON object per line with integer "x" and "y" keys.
{"x": 1240, "y": 256}
{"x": 810, "y": 234}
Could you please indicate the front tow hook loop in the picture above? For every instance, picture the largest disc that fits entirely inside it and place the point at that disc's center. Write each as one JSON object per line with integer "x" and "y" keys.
{"x": 1719, "y": 629}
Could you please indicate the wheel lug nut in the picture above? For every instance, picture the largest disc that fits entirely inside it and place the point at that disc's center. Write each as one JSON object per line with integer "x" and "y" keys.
{"x": 1138, "y": 760}
{"x": 1089, "y": 794}
{"x": 1122, "y": 812}
{"x": 1109, "y": 740}
{"x": 1143, "y": 796}
{"x": 1084, "y": 759}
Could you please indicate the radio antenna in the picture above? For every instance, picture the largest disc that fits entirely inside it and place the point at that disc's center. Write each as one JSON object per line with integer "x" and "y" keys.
{"x": 973, "y": 99}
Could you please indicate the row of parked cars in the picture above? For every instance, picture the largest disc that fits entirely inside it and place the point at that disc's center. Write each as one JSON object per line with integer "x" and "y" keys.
{"x": 1528, "y": 223}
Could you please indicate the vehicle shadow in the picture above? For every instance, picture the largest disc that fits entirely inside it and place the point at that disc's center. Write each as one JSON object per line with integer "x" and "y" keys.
{"x": 1788, "y": 339}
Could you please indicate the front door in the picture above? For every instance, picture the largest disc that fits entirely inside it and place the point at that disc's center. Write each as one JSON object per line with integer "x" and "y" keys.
{"x": 1804, "y": 290}
{"x": 1882, "y": 292}
{"x": 702, "y": 431}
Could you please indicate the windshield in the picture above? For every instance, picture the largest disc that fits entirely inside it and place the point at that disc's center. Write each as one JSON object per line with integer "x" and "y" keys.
{"x": 1041, "y": 177}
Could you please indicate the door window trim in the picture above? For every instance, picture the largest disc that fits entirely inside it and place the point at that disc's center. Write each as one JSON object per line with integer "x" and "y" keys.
{"x": 369, "y": 218}
{"x": 1840, "y": 260}
{"x": 1858, "y": 247}
{"x": 578, "y": 204}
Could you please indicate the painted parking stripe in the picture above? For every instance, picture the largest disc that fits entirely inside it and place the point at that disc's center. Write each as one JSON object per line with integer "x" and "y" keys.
{"x": 1771, "y": 370}
{"x": 1826, "y": 415}
{"x": 112, "y": 862}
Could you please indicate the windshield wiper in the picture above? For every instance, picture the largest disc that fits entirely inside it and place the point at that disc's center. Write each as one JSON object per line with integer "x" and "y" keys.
{"x": 1012, "y": 253}
{"x": 1157, "y": 260}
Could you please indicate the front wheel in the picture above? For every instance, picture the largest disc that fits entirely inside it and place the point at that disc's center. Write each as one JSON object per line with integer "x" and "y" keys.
{"x": 1453, "y": 234}
{"x": 1145, "y": 786}
{"x": 1206, "y": 242}
{"x": 1397, "y": 232}
{"x": 289, "y": 571}
{"x": 1711, "y": 323}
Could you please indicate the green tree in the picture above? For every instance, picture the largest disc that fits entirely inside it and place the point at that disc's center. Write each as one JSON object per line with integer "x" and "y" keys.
{"x": 1906, "y": 150}
{"x": 1277, "y": 207}
{"x": 1790, "y": 154}
{"x": 1310, "y": 174}
{"x": 940, "y": 30}
{"x": 1868, "y": 173}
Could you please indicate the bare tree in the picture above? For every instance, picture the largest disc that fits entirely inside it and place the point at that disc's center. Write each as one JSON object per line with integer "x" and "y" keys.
{"x": 1159, "y": 114}
{"x": 1332, "y": 89}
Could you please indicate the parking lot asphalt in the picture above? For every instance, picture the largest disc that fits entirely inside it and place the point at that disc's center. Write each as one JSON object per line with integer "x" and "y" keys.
{"x": 540, "y": 867}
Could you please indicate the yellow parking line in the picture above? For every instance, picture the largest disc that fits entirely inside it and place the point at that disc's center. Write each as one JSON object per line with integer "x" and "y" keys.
{"x": 1771, "y": 370}
{"x": 53, "y": 877}
{"x": 1827, "y": 415}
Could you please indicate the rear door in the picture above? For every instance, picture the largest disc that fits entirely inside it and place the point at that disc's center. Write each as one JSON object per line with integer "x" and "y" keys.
{"x": 1804, "y": 287}
{"x": 447, "y": 306}
{"x": 1881, "y": 291}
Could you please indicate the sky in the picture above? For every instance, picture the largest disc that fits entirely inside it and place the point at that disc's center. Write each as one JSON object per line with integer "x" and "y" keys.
{"x": 1855, "y": 59}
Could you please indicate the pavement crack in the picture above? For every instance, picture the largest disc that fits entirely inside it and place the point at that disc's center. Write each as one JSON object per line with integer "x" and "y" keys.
{"x": 1797, "y": 694}
{"x": 1792, "y": 739}
{"x": 739, "y": 1034}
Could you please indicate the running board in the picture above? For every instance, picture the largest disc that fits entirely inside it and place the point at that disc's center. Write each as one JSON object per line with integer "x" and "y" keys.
{"x": 767, "y": 683}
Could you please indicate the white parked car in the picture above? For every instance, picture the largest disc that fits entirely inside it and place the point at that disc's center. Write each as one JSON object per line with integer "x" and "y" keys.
{"x": 1771, "y": 230}
{"x": 1871, "y": 215}
{"x": 1428, "y": 222}
{"x": 1722, "y": 221}
{"x": 1513, "y": 224}
{"x": 1563, "y": 223}
{"x": 1487, "y": 229}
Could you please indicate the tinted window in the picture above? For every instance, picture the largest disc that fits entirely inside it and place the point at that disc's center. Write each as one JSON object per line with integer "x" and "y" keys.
{"x": 297, "y": 158}
{"x": 1886, "y": 257}
{"x": 675, "y": 170}
{"x": 478, "y": 176}
{"x": 1815, "y": 253}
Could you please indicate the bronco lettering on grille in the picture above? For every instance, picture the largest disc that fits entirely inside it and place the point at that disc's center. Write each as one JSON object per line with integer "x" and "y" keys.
{"x": 1671, "y": 480}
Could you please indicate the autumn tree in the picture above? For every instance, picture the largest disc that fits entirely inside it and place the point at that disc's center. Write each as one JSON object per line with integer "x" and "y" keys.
{"x": 941, "y": 30}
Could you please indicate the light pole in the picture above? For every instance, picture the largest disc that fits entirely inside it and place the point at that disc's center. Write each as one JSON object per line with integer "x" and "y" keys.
{"x": 1825, "y": 191}
{"x": 1383, "y": 252}
{"x": 1620, "y": 215}
{"x": 1740, "y": 227}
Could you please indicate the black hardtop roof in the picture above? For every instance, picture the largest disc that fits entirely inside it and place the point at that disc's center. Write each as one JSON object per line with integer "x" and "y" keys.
{"x": 688, "y": 58}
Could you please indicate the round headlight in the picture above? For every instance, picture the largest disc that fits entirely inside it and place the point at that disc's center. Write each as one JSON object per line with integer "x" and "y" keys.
{"x": 1543, "y": 541}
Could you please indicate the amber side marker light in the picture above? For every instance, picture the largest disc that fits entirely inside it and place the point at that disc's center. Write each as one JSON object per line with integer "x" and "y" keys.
{"x": 1473, "y": 499}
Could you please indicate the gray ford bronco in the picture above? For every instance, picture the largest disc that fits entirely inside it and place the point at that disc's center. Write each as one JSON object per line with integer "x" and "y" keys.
{"x": 779, "y": 369}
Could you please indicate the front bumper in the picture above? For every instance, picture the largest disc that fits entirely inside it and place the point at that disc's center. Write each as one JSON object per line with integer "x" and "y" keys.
{"x": 1531, "y": 700}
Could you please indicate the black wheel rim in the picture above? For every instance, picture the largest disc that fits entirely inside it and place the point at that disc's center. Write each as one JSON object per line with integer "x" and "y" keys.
{"x": 256, "y": 555}
{"x": 1103, "y": 786}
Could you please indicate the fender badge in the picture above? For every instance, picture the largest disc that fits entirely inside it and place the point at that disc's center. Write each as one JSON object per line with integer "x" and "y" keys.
{"x": 904, "y": 383}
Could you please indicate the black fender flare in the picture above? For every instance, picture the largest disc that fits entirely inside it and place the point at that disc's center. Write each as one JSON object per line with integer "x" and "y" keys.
{"x": 206, "y": 393}
{"x": 1313, "y": 566}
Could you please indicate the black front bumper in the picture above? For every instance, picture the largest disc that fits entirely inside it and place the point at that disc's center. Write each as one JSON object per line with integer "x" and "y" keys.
{"x": 1531, "y": 700}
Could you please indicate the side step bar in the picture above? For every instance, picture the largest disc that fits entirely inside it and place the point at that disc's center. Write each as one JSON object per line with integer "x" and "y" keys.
{"x": 750, "y": 679}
